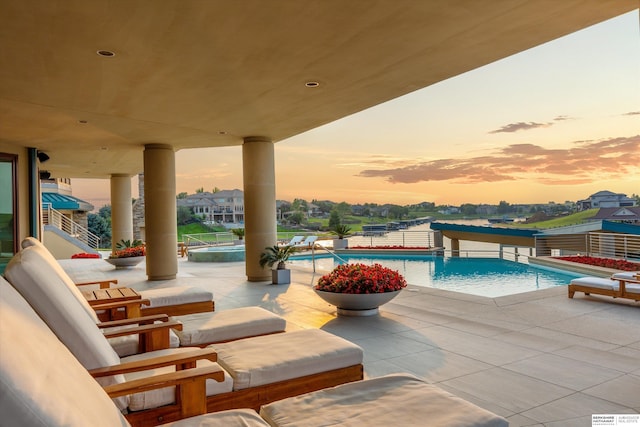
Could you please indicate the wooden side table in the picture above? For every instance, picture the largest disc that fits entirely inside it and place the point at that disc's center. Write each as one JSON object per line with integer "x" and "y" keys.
{"x": 100, "y": 299}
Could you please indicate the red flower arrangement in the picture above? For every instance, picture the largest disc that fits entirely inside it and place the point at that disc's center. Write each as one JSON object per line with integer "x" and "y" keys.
{"x": 361, "y": 279}
{"x": 84, "y": 255}
{"x": 129, "y": 252}
{"x": 617, "y": 264}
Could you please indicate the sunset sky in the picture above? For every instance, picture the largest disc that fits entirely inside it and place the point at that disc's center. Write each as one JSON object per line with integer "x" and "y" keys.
{"x": 557, "y": 122}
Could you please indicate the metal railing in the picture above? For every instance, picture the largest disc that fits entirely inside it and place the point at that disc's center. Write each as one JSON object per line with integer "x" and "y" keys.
{"x": 403, "y": 238}
{"x": 329, "y": 251}
{"x": 208, "y": 239}
{"x": 55, "y": 218}
{"x": 607, "y": 245}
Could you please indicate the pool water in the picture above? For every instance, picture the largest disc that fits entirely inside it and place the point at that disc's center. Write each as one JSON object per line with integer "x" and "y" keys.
{"x": 488, "y": 277}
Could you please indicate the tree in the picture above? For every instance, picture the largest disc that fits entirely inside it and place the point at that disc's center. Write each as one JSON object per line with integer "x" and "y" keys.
{"x": 216, "y": 190}
{"x": 343, "y": 209}
{"x": 296, "y": 218}
{"x": 504, "y": 207}
{"x": 185, "y": 216}
{"x": 182, "y": 195}
{"x": 300, "y": 205}
{"x": 334, "y": 219}
{"x": 200, "y": 190}
{"x": 99, "y": 226}
{"x": 468, "y": 209}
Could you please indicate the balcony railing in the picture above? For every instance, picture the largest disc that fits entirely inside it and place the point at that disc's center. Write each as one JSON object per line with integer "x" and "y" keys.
{"x": 55, "y": 218}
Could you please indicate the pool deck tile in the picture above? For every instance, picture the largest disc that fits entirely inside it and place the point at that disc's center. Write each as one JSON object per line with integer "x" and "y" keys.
{"x": 537, "y": 358}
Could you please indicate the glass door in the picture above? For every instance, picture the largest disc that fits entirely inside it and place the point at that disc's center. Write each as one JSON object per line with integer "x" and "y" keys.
{"x": 8, "y": 208}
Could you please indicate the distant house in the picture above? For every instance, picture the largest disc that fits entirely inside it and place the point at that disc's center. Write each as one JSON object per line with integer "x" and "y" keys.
{"x": 606, "y": 199}
{"x": 624, "y": 214}
{"x": 223, "y": 207}
{"x": 57, "y": 194}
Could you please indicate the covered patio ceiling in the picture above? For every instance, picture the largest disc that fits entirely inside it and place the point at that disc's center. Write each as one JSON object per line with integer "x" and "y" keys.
{"x": 207, "y": 73}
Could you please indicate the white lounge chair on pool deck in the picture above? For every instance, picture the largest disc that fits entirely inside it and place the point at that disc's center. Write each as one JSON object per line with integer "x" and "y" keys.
{"x": 621, "y": 285}
{"x": 307, "y": 242}
{"x": 200, "y": 329}
{"x": 295, "y": 240}
{"x": 35, "y": 392}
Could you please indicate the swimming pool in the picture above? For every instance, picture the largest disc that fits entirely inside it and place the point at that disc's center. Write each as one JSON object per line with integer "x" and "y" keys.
{"x": 488, "y": 277}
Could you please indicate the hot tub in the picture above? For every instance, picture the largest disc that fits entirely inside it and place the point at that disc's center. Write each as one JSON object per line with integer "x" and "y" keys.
{"x": 217, "y": 254}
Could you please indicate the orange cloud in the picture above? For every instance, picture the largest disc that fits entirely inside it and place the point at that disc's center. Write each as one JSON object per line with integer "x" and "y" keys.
{"x": 514, "y": 127}
{"x": 612, "y": 158}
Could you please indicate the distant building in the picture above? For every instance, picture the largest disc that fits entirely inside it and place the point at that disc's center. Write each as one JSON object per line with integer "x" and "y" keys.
{"x": 629, "y": 215}
{"x": 56, "y": 194}
{"x": 223, "y": 207}
{"x": 606, "y": 199}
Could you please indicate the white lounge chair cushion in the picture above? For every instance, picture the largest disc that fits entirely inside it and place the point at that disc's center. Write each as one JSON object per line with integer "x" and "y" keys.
{"x": 393, "y": 400}
{"x": 205, "y": 328}
{"x": 596, "y": 282}
{"x": 165, "y": 396}
{"x": 174, "y": 295}
{"x": 30, "y": 272}
{"x": 232, "y": 418}
{"x": 41, "y": 383}
{"x": 272, "y": 358}
{"x": 128, "y": 345}
{"x": 607, "y": 284}
{"x": 46, "y": 255}
{"x": 626, "y": 275}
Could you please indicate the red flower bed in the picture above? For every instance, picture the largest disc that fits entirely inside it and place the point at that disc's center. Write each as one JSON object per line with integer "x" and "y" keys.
{"x": 390, "y": 247}
{"x": 361, "y": 279}
{"x": 129, "y": 252}
{"x": 617, "y": 264}
{"x": 84, "y": 255}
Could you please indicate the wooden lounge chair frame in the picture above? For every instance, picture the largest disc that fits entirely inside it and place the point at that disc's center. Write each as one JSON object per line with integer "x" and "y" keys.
{"x": 253, "y": 397}
{"x": 621, "y": 292}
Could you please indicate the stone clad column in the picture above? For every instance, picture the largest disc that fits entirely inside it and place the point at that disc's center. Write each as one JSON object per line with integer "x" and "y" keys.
{"x": 121, "y": 211}
{"x": 259, "y": 203}
{"x": 161, "y": 234}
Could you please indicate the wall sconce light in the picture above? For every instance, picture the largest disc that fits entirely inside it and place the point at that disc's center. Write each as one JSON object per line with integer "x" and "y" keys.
{"x": 45, "y": 175}
{"x": 43, "y": 157}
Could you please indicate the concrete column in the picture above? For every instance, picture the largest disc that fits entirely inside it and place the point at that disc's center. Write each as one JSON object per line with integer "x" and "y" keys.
{"x": 121, "y": 209}
{"x": 259, "y": 203}
{"x": 161, "y": 232}
{"x": 455, "y": 247}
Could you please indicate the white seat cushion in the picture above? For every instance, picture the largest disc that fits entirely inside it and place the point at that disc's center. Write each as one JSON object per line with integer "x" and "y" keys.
{"x": 393, "y": 400}
{"x": 625, "y": 275}
{"x": 165, "y": 396}
{"x": 271, "y": 358}
{"x": 204, "y": 328}
{"x": 41, "y": 383}
{"x": 596, "y": 282}
{"x": 128, "y": 345}
{"x": 233, "y": 418}
{"x": 161, "y": 297}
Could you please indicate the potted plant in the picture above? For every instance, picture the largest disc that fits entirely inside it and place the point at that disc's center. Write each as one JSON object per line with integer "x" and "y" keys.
{"x": 341, "y": 231}
{"x": 278, "y": 256}
{"x": 128, "y": 253}
{"x": 239, "y": 233}
{"x": 359, "y": 289}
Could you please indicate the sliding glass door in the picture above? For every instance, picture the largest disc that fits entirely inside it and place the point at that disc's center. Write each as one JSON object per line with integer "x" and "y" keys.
{"x": 8, "y": 208}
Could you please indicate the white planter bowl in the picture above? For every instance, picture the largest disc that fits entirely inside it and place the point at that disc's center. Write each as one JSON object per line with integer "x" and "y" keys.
{"x": 127, "y": 262}
{"x": 357, "y": 304}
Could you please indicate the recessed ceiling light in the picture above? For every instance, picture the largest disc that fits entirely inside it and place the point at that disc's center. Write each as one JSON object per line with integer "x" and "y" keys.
{"x": 222, "y": 132}
{"x": 106, "y": 53}
{"x": 82, "y": 121}
{"x": 312, "y": 84}
{"x": 104, "y": 148}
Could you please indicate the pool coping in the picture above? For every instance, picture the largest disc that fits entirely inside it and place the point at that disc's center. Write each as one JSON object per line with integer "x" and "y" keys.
{"x": 588, "y": 270}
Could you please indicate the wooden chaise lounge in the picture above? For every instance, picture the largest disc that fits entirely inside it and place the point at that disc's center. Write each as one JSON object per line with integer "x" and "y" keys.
{"x": 35, "y": 392}
{"x": 256, "y": 370}
{"x": 620, "y": 285}
{"x": 199, "y": 329}
{"x": 172, "y": 301}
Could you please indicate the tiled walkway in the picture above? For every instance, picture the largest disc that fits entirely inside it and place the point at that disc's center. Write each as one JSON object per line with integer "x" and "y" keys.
{"x": 538, "y": 359}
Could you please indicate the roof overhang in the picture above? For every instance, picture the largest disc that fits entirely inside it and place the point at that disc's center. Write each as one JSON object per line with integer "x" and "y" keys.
{"x": 192, "y": 73}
